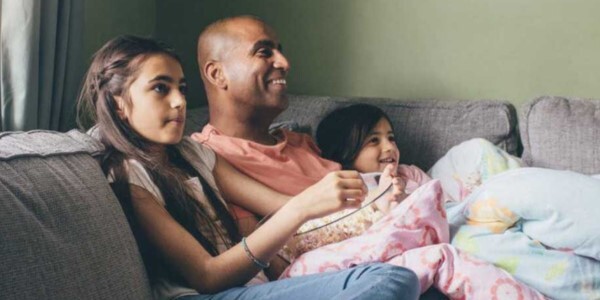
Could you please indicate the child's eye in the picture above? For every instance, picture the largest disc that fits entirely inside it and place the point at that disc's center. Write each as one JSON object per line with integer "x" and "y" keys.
{"x": 374, "y": 140}
{"x": 391, "y": 138}
{"x": 183, "y": 89}
{"x": 161, "y": 88}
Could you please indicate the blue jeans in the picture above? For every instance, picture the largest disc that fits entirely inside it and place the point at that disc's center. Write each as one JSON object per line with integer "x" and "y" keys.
{"x": 373, "y": 281}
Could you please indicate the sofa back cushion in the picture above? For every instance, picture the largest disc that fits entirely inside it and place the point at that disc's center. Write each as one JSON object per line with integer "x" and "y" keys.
{"x": 425, "y": 130}
{"x": 63, "y": 234}
{"x": 562, "y": 133}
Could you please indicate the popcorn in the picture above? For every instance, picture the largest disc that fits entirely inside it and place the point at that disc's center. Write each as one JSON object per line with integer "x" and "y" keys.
{"x": 326, "y": 230}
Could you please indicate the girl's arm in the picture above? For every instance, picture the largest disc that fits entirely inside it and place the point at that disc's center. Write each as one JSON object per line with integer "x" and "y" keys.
{"x": 242, "y": 190}
{"x": 209, "y": 274}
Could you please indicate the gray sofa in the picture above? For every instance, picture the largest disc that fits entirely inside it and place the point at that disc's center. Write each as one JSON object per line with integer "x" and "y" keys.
{"x": 63, "y": 234}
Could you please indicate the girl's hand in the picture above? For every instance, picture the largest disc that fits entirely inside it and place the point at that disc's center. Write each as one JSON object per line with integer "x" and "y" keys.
{"x": 393, "y": 198}
{"x": 336, "y": 191}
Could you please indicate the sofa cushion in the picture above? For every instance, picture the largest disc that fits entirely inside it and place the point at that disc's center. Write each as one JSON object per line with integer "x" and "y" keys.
{"x": 424, "y": 130}
{"x": 562, "y": 133}
{"x": 62, "y": 231}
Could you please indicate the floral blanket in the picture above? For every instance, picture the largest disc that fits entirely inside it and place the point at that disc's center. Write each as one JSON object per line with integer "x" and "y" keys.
{"x": 516, "y": 233}
{"x": 415, "y": 235}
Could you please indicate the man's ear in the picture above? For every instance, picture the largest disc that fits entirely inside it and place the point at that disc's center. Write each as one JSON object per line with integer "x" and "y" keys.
{"x": 213, "y": 70}
{"x": 121, "y": 107}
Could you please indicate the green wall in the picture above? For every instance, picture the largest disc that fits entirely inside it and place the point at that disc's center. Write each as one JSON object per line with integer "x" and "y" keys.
{"x": 408, "y": 49}
{"x": 105, "y": 19}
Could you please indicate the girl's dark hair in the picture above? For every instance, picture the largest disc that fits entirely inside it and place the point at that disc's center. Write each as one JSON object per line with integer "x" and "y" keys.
{"x": 342, "y": 133}
{"x": 114, "y": 67}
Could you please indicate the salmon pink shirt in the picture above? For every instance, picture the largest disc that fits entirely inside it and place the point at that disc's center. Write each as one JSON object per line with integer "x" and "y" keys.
{"x": 289, "y": 167}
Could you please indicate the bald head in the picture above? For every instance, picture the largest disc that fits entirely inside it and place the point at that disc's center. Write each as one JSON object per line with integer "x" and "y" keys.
{"x": 218, "y": 39}
{"x": 244, "y": 73}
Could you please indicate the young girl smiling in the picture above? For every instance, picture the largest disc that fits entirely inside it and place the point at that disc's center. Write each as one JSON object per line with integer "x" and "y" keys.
{"x": 360, "y": 137}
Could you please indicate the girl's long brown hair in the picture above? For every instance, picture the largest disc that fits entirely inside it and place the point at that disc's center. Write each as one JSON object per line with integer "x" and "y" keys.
{"x": 114, "y": 67}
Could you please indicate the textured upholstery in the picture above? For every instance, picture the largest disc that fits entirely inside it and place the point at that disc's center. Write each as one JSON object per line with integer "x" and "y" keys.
{"x": 562, "y": 133}
{"x": 424, "y": 130}
{"x": 63, "y": 234}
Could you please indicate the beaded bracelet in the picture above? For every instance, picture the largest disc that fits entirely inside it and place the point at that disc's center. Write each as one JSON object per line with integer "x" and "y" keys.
{"x": 255, "y": 260}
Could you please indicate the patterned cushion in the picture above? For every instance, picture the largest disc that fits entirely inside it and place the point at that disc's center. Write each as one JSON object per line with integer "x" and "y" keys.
{"x": 562, "y": 133}
{"x": 62, "y": 231}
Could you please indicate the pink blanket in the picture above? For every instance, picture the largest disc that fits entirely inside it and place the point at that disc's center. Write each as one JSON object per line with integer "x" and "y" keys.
{"x": 415, "y": 235}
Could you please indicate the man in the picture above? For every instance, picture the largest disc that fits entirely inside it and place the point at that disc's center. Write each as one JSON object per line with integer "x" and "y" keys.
{"x": 244, "y": 73}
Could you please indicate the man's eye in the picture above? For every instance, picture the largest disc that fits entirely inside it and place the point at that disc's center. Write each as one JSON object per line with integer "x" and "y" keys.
{"x": 266, "y": 52}
{"x": 161, "y": 88}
